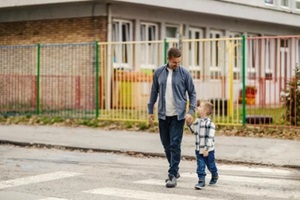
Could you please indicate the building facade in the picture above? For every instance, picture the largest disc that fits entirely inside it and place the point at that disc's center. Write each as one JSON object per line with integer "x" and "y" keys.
{"x": 62, "y": 21}
{"x": 130, "y": 35}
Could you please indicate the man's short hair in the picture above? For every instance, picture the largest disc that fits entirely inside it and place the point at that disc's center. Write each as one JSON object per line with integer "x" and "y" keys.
{"x": 174, "y": 53}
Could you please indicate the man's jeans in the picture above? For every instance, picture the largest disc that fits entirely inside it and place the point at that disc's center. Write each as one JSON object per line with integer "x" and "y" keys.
{"x": 171, "y": 131}
{"x": 209, "y": 161}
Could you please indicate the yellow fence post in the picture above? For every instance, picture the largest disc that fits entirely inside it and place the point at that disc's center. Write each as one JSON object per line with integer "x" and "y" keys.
{"x": 230, "y": 100}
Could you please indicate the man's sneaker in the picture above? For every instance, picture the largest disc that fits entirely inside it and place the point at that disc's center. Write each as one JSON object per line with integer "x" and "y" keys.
{"x": 213, "y": 180}
{"x": 171, "y": 182}
{"x": 177, "y": 177}
{"x": 200, "y": 184}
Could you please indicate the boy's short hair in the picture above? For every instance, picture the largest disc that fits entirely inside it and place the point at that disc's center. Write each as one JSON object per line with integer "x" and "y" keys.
{"x": 209, "y": 107}
{"x": 174, "y": 53}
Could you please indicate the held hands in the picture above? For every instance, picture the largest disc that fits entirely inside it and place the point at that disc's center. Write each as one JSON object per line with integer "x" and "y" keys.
{"x": 150, "y": 119}
{"x": 188, "y": 119}
{"x": 205, "y": 153}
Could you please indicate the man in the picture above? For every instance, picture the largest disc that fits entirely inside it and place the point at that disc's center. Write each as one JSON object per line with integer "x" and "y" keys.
{"x": 172, "y": 83}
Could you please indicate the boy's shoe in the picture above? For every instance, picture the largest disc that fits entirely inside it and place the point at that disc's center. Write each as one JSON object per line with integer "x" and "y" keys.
{"x": 171, "y": 182}
{"x": 177, "y": 177}
{"x": 213, "y": 180}
{"x": 200, "y": 184}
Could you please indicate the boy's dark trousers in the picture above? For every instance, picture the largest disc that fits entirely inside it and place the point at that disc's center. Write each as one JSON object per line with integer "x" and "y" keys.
{"x": 208, "y": 161}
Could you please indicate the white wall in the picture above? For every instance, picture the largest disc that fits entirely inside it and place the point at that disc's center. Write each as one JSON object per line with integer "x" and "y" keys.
{"x": 223, "y": 8}
{"x": 261, "y": 3}
{"x": 204, "y": 21}
{"x": 256, "y": 10}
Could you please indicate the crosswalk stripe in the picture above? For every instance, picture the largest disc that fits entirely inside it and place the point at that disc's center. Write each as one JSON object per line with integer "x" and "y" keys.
{"x": 36, "y": 179}
{"x": 143, "y": 195}
{"x": 226, "y": 188}
{"x": 256, "y": 169}
{"x": 254, "y": 180}
{"x": 53, "y": 198}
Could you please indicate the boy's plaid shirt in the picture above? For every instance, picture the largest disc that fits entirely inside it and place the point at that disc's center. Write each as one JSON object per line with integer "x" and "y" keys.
{"x": 204, "y": 130}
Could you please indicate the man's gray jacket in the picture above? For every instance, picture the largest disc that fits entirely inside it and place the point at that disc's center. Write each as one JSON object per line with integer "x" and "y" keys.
{"x": 182, "y": 84}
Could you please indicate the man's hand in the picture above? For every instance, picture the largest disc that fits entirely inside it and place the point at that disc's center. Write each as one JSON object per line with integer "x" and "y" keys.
{"x": 189, "y": 119}
{"x": 205, "y": 153}
{"x": 150, "y": 118}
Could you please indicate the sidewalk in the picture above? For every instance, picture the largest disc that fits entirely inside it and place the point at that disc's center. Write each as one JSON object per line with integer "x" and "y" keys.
{"x": 233, "y": 149}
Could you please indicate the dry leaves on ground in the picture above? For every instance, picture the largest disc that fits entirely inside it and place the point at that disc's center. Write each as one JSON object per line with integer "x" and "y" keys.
{"x": 288, "y": 133}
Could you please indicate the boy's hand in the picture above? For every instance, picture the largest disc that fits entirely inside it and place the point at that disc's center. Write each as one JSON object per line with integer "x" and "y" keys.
{"x": 205, "y": 153}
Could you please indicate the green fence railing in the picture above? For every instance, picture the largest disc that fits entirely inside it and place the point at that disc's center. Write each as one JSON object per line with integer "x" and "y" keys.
{"x": 247, "y": 79}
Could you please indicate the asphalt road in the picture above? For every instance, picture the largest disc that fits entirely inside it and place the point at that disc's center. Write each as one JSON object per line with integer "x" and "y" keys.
{"x": 52, "y": 174}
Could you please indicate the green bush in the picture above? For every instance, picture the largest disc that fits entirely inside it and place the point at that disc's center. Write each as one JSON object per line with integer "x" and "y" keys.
{"x": 293, "y": 99}
{"x": 143, "y": 126}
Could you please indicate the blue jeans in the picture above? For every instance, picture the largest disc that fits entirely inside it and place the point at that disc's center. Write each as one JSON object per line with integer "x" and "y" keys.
{"x": 208, "y": 161}
{"x": 171, "y": 131}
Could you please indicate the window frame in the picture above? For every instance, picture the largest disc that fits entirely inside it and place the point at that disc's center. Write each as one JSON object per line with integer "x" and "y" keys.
{"x": 172, "y": 41}
{"x": 298, "y": 54}
{"x": 148, "y": 48}
{"x": 172, "y": 26}
{"x": 270, "y": 58}
{"x": 296, "y": 3}
{"x": 269, "y": 3}
{"x": 122, "y": 52}
{"x": 285, "y": 6}
{"x": 215, "y": 55}
{"x": 253, "y": 56}
{"x": 196, "y": 52}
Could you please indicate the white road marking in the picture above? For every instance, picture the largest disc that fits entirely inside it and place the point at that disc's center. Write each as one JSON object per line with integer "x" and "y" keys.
{"x": 36, "y": 179}
{"x": 256, "y": 169}
{"x": 254, "y": 180}
{"x": 143, "y": 195}
{"x": 53, "y": 198}
{"x": 229, "y": 188}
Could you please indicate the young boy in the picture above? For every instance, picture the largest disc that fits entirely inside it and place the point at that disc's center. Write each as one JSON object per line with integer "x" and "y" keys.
{"x": 204, "y": 130}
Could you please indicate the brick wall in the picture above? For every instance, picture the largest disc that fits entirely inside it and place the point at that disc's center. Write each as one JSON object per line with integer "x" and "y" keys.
{"x": 67, "y": 71}
{"x": 71, "y": 30}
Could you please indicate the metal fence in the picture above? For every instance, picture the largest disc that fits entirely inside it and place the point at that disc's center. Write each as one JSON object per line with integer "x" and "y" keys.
{"x": 17, "y": 79}
{"x": 247, "y": 79}
{"x": 271, "y": 88}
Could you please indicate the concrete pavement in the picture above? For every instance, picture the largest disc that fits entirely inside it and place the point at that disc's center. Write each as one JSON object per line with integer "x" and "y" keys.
{"x": 264, "y": 151}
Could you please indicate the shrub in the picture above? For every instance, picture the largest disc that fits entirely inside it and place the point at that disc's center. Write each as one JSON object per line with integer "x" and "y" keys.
{"x": 293, "y": 99}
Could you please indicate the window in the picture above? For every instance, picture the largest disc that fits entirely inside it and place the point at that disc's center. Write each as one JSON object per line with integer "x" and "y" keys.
{"x": 122, "y": 52}
{"x": 149, "y": 50}
{"x": 270, "y": 58}
{"x": 171, "y": 31}
{"x": 253, "y": 52}
{"x": 285, "y": 3}
{"x": 196, "y": 51}
{"x": 237, "y": 55}
{"x": 270, "y": 2}
{"x": 297, "y": 4}
{"x": 217, "y": 54}
{"x": 298, "y": 64}
{"x": 284, "y": 62}
{"x": 171, "y": 34}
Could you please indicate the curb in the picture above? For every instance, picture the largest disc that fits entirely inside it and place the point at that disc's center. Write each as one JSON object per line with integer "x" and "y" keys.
{"x": 131, "y": 153}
